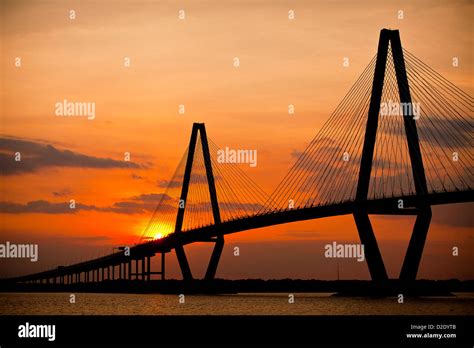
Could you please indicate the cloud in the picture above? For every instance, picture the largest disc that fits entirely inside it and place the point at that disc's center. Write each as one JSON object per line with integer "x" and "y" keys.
{"x": 142, "y": 204}
{"x": 36, "y": 156}
{"x": 151, "y": 197}
{"x": 134, "y": 205}
{"x": 439, "y": 131}
{"x": 62, "y": 193}
{"x": 43, "y": 207}
{"x": 169, "y": 183}
{"x": 138, "y": 204}
{"x": 137, "y": 177}
{"x": 196, "y": 177}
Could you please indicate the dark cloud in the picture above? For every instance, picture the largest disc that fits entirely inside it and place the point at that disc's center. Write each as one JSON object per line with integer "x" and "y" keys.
{"x": 134, "y": 205}
{"x": 151, "y": 197}
{"x": 43, "y": 207}
{"x": 196, "y": 177}
{"x": 62, "y": 193}
{"x": 129, "y": 207}
{"x": 439, "y": 132}
{"x": 144, "y": 203}
{"x": 169, "y": 183}
{"x": 138, "y": 204}
{"x": 226, "y": 207}
{"x": 36, "y": 155}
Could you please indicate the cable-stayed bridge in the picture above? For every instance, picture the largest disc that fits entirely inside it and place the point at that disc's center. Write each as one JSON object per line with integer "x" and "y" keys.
{"x": 398, "y": 143}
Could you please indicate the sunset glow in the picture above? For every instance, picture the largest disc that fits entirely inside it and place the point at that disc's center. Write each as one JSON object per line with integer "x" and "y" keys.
{"x": 116, "y": 165}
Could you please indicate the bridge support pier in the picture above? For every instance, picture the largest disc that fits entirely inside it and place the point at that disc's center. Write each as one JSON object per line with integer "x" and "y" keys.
{"x": 412, "y": 260}
{"x": 148, "y": 266}
{"x": 163, "y": 256}
{"x": 215, "y": 257}
{"x": 136, "y": 269}
{"x": 371, "y": 248}
{"x": 149, "y": 272}
{"x": 183, "y": 263}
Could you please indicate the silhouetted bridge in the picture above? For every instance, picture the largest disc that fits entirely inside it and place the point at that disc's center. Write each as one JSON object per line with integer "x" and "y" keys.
{"x": 398, "y": 143}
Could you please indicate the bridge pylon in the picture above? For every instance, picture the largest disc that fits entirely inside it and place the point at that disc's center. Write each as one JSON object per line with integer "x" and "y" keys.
{"x": 423, "y": 210}
{"x": 219, "y": 240}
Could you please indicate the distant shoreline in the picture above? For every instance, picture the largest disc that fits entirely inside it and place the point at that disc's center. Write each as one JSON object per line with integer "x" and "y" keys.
{"x": 349, "y": 288}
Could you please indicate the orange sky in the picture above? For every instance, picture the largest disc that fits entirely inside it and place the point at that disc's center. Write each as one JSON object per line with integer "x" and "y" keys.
{"x": 190, "y": 62}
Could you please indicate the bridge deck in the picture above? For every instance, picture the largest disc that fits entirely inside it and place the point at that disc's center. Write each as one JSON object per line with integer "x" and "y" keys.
{"x": 387, "y": 206}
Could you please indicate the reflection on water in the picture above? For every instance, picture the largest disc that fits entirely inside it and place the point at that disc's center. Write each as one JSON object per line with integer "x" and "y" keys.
{"x": 240, "y": 304}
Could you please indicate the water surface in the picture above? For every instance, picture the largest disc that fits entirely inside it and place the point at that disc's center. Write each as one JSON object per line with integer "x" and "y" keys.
{"x": 235, "y": 304}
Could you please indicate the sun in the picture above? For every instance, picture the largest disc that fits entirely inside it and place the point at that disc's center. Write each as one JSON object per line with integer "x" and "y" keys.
{"x": 159, "y": 235}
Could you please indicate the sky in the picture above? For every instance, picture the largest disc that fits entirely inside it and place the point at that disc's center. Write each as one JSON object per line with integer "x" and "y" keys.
{"x": 190, "y": 62}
